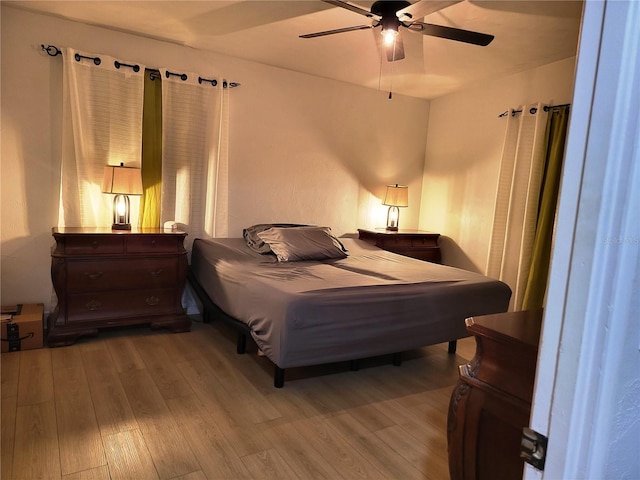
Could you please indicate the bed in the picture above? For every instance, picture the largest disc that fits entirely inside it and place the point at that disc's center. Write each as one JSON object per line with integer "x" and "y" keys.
{"x": 362, "y": 303}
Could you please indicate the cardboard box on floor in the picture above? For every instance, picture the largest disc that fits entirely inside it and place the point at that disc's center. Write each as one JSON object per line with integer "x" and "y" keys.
{"x": 23, "y": 325}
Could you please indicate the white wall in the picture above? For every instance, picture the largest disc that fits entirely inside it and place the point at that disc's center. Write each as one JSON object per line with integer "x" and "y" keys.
{"x": 321, "y": 151}
{"x": 302, "y": 148}
{"x": 462, "y": 163}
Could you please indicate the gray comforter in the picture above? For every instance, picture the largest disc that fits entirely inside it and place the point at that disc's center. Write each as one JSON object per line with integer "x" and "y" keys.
{"x": 371, "y": 303}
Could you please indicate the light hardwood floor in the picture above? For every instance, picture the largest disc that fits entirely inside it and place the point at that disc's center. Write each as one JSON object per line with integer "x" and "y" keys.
{"x": 142, "y": 404}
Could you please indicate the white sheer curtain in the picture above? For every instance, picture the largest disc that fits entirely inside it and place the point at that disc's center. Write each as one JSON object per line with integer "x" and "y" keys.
{"x": 516, "y": 207}
{"x": 195, "y": 155}
{"x": 102, "y": 125}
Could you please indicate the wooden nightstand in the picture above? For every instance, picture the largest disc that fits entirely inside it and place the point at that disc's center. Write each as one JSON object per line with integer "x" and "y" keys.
{"x": 411, "y": 243}
{"x": 106, "y": 278}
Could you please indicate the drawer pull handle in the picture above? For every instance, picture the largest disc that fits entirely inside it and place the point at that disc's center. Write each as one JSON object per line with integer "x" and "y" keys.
{"x": 153, "y": 243}
{"x": 94, "y": 305}
{"x": 152, "y": 301}
{"x": 93, "y": 275}
{"x": 95, "y": 244}
{"x": 155, "y": 273}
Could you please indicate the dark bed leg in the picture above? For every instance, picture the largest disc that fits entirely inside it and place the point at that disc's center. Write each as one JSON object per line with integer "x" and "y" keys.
{"x": 397, "y": 359}
{"x": 453, "y": 344}
{"x": 278, "y": 377}
{"x": 241, "y": 345}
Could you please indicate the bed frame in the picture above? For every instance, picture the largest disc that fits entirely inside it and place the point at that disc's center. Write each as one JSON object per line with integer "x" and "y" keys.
{"x": 212, "y": 312}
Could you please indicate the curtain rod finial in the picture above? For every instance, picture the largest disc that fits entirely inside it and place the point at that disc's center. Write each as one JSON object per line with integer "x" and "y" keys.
{"x": 51, "y": 50}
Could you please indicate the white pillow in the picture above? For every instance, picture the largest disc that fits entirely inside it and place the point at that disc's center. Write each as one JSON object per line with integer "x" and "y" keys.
{"x": 303, "y": 243}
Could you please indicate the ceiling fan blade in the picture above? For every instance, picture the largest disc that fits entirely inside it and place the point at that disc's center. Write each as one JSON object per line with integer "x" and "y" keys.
{"x": 338, "y": 30}
{"x": 423, "y": 8}
{"x": 396, "y": 50}
{"x": 349, "y": 6}
{"x": 450, "y": 33}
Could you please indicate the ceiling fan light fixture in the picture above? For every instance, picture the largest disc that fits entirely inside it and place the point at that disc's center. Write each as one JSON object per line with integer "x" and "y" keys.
{"x": 390, "y": 26}
{"x": 389, "y": 35}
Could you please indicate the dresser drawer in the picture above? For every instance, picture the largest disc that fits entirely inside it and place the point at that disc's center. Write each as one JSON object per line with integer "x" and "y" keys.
{"x": 409, "y": 241}
{"x": 121, "y": 274}
{"x": 427, "y": 254}
{"x": 425, "y": 241}
{"x": 154, "y": 244}
{"x": 395, "y": 241}
{"x": 93, "y": 244}
{"x": 94, "y": 306}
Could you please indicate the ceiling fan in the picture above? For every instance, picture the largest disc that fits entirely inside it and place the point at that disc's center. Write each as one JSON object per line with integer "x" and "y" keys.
{"x": 393, "y": 14}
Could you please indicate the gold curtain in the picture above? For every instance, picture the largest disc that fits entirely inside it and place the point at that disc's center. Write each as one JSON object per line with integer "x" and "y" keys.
{"x": 151, "y": 151}
{"x": 556, "y": 134}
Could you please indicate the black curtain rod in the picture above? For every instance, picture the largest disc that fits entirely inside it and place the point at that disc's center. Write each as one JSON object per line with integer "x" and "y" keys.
{"x": 53, "y": 51}
{"x": 534, "y": 110}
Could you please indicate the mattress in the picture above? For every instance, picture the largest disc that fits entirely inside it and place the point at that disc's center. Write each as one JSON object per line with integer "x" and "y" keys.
{"x": 371, "y": 303}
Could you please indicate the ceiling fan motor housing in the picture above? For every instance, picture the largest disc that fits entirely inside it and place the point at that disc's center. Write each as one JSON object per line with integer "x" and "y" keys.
{"x": 388, "y": 8}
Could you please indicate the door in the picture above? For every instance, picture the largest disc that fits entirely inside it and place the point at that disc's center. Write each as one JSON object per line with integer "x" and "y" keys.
{"x": 587, "y": 380}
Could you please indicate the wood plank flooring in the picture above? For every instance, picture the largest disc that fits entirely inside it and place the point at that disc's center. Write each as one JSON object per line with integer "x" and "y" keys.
{"x": 142, "y": 404}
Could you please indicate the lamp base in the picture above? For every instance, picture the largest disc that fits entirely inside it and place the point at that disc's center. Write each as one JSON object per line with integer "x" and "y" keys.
{"x": 121, "y": 226}
{"x": 393, "y": 218}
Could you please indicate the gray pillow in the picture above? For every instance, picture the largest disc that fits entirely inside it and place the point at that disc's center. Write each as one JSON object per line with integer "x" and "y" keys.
{"x": 255, "y": 243}
{"x": 303, "y": 243}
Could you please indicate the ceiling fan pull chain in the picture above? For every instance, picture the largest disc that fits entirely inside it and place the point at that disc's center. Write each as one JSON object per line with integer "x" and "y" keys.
{"x": 391, "y": 79}
{"x": 380, "y": 71}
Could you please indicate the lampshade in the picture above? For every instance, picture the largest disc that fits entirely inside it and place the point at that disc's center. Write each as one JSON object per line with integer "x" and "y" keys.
{"x": 122, "y": 180}
{"x": 397, "y": 196}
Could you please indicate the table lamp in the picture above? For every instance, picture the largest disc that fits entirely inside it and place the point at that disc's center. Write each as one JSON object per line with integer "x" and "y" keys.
{"x": 121, "y": 181}
{"x": 396, "y": 196}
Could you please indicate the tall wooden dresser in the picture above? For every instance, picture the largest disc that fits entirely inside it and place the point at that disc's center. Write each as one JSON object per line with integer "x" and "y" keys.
{"x": 106, "y": 278}
{"x": 491, "y": 403}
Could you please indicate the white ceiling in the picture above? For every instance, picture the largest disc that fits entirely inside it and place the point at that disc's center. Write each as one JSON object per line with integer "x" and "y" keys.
{"x": 527, "y": 34}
